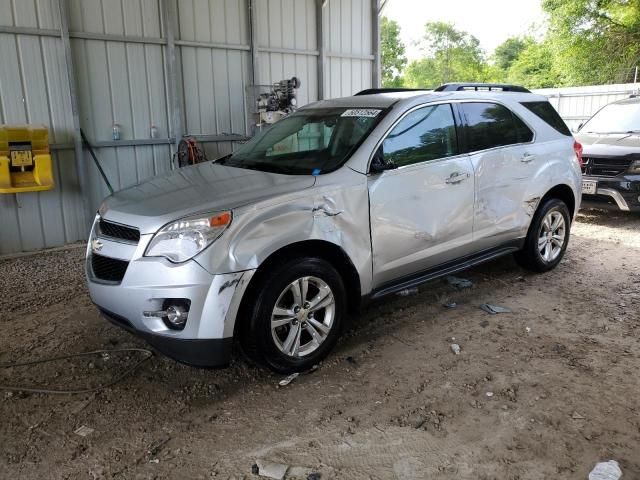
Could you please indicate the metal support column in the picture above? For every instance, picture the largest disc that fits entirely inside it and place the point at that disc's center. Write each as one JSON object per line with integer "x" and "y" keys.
{"x": 322, "y": 50}
{"x": 375, "y": 43}
{"x": 253, "y": 42}
{"x": 168, "y": 16}
{"x": 81, "y": 168}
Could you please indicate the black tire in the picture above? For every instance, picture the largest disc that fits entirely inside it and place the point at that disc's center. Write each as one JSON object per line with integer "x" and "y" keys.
{"x": 257, "y": 339}
{"x": 530, "y": 257}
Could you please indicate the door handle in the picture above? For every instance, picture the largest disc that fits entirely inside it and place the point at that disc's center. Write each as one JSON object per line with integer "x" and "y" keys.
{"x": 456, "y": 177}
{"x": 527, "y": 157}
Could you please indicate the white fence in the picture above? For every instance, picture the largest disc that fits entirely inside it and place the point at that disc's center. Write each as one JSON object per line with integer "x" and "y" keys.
{"x": 577, "y": 104}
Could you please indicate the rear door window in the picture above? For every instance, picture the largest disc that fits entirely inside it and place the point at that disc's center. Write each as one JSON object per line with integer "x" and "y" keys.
{"x": 425, "y": 134}
{"x": 491, "y": 125}
{"x": 546, "y": 112}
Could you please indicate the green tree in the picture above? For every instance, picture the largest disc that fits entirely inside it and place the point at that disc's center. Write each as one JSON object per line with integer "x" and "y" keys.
{"x": 534, "y": 67}
{"x": 392, "y": 53}
{"x": 594, "y": 41}
{"x": 450, "y": 55}
{"x": 509, "y": 50}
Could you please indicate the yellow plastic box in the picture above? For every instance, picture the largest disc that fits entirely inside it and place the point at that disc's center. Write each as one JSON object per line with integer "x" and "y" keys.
{"x": 25, "y": 161}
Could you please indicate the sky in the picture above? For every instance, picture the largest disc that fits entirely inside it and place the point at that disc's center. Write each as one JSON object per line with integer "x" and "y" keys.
{"x": 490, "y": 21}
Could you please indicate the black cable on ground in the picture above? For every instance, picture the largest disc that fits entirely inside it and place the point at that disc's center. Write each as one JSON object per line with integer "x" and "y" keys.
{"x": 148, "y": 355}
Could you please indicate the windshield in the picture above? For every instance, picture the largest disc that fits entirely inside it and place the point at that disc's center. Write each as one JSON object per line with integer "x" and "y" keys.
{"x": 615, "y": 118}
{"x": 308, "y": 142}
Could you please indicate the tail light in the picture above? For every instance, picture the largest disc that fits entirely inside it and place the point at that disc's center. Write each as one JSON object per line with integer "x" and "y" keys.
{"x": 577, "y": 147}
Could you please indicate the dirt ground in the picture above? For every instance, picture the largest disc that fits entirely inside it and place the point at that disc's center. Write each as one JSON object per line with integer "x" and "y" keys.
{"x": 544, "y": 392}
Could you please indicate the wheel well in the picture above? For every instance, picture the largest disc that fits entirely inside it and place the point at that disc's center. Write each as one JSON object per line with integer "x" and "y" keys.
{"x": 562, "y": 192}
{"x": 327, "y": 251}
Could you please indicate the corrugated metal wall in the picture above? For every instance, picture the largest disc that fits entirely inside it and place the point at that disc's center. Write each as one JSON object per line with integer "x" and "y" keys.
{"x": 577, "y": 104}
{"x": 123, "y": 76}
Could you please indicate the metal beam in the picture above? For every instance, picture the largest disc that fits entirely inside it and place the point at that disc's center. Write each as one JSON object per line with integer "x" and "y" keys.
{"x": 253, "y": 39}
{"x": 168, "y": 16}
{"x": 81, "y": 167}
{"x": 142, "y": 142}
{"x": 220, "y": 46}
{"x": 375, "y": 43}
{"x": 320, "y": 45}
{"x": 354, "y": 56}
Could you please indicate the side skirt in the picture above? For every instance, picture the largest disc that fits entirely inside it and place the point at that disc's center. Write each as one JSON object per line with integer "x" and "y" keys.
{"x": 446, "y": 269}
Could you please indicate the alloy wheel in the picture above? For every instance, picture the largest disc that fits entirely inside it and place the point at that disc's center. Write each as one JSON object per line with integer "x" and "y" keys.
{"x": 303, "y": 316}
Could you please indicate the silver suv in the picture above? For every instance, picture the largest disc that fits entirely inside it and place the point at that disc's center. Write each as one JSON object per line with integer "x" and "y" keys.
{"x": 344, "y": 201}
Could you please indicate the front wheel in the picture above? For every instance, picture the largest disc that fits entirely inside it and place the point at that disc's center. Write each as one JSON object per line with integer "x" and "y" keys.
{"x": 547, "y": 238}
{"x": 297, "y": 315}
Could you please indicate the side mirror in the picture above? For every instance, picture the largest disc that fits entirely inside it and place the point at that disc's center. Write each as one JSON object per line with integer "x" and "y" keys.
{"x": 378, "y": 163}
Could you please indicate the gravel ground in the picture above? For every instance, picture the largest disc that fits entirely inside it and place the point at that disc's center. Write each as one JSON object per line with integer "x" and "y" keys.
{"x": 546, "y": 391}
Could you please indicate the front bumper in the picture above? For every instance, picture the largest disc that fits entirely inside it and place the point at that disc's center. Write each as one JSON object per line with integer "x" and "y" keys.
{"x": 148, "y": 282}
{"x": 617, "y": 193}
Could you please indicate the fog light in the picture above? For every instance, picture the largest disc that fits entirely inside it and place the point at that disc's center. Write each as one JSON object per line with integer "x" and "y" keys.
{"x": 174, "y": 313}
{"x": 176, "y": 316}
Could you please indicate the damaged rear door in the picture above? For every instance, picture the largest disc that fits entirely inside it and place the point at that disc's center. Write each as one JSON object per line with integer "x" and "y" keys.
{"x": 421, "y": 211}
{"x": 505, "y": 161}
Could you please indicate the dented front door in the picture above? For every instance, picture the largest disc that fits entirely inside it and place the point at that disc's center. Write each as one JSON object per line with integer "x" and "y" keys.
{"x": 422, "y": 211}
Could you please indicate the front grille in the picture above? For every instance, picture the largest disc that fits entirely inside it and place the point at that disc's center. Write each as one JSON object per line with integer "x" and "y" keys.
{"x": 605, "y": 167}
{"x": 108, "y": 269}
{"x": 121, "y": 232}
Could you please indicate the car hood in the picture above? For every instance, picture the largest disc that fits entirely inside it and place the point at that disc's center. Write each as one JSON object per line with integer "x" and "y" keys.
{"x": 610, "y": 145}
{"x": 198, "y": 188}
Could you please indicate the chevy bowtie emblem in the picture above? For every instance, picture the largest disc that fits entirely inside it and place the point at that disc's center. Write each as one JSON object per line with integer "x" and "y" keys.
{"x": 96, "y": 245}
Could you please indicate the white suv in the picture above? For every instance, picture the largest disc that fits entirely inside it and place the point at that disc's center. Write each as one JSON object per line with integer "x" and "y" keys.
{"x": 343, "y": 201}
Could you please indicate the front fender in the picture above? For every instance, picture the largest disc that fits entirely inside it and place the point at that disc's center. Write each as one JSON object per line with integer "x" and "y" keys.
{"x": 336, "y": 210}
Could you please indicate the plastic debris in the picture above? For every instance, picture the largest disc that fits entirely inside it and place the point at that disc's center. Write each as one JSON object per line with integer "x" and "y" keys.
{"x": 528, "y": 330}
{"x": 459, "y": 283}
{"x": 286, "y": 381}
{"x": 450, "y": 305}
{"x": 407, "y": 292}
{"x": 489, "y": 394}
{"x": 577, "y": 416}
{"x": 455, "y": 348}
{"x": 83, "y": 431}
{"x": 493, "y": 309}
{"x": 154, "y": 460}
{"x": 606, "y": 471}
{"x": 271, "y": 469}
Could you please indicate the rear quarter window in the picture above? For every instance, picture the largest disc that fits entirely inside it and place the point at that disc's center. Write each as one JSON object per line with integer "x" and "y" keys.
{"x": 548, "y": 114}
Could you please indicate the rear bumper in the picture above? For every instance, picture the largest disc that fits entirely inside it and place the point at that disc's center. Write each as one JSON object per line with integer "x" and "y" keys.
{"x": 619, "y": 193}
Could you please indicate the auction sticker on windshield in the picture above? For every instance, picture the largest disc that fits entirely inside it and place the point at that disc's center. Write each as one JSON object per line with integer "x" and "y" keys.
{"x": 361, "y": 112}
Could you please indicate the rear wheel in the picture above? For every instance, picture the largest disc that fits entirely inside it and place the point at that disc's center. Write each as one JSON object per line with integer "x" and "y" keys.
{"x": 547, "y": 238}
{"x": 297, "y": 315}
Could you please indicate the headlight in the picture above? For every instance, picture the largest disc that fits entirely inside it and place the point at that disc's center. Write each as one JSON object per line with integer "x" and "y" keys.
{"x": 181, "y": 240}
{"x": 635, "y": 167}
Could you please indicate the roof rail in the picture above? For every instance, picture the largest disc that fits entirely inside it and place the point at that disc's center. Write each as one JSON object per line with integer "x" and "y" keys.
{"x": 458, "y": 87}
{"x": 373, "y": 91}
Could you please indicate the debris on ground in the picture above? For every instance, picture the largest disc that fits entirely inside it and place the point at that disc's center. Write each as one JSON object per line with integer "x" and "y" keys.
{"x": 493, "y": 309}
{"x": 606, "y": 471}
{"x": 455, "y": 348}
{"x": 84, "y": 431}
{"x": 489, "y": 394}
{"x": 407, "y": 292}
{"x": 270, "y": 469}
{"x": 484, "y": 323}
{"x": 450, "y": 305}
{"x": 286, "y": 381}
{"x": 577, "y": 416}
{"x": 314, "y": 476}
{"x": 528, "y": 329}
{"x": 459, "y": 283}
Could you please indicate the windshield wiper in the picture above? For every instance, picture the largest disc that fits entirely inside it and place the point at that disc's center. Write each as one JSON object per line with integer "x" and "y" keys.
{"x": 221, "y": 160}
